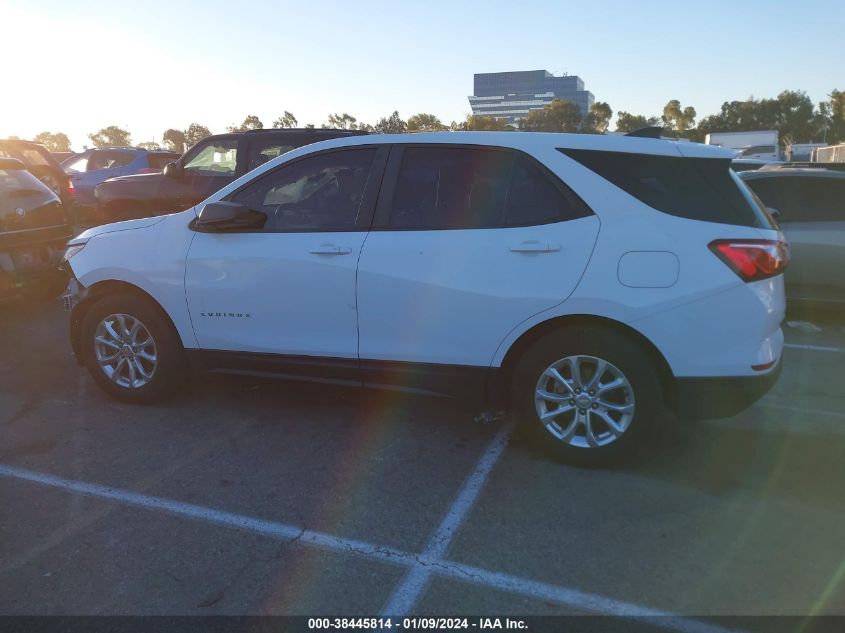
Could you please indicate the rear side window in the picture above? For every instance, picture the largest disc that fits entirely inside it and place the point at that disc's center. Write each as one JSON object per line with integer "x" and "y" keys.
{"x": 160, "y": 161}
{"x": 109, "y": 160}
{"x": 463, "y": 188}
{"x": 703, "y": 189}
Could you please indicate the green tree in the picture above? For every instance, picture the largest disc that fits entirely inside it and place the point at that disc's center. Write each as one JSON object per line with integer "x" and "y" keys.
{"x": 791, "y": 113}
{"x": 678, "y": 119}
{"x": 391, "y": 125}
{"x": 557, "y": 116}
{"x": 251, "y": 122}
{"x": 309, "y": 126}
{"x": 174, "y": 140}
{"x": 458, "y": 126}
{"x": 423, "y": 122}
{"x": 287, "y": 120}
{"x": 627, "y": 122}
{"x": 341, "y": 122}
{"x": 480, "y": 123}
{"x": 195, "y": 133}
{"x": 148, "y": 145}
{"x": 835, "y": 117}
{"x": 111, "y": 136}
{"x": 58, "y": 142}
{"x": 598, "y": 119}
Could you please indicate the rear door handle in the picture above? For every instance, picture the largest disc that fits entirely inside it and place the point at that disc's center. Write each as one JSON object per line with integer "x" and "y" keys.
{"x": 330, "y": 249}
{"x": 533, "y": 246}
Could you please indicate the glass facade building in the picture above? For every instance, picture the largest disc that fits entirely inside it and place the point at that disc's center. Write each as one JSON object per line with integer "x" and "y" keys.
{"x": 512, "y": 95}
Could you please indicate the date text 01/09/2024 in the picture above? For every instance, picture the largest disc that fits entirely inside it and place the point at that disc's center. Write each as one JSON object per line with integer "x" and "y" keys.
{"x": 430, "y": 624}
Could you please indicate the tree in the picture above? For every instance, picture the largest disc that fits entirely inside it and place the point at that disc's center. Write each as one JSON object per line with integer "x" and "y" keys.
{"x": 341, "y": 122}
{"x": 58, "y": 142}
{"x": 174, "y": 140}
{"x": 391, "y": 125}
{"x": 677, "y": 119}
{"x": 458, "y": 126}
{"x": 557, "y": 116}
{"x": 423, "y": 122}
{"x": 111, "y": 136}
{"x": 791, "y": 113}
{"x": 309, "y": 126}
{"x": 148, "y": 145}
{"x": 251, "y": 122}
{"x": 480, "y": 123}
{"x": 195, "y": 133}
{"x": 835, "y": 120}
{"x": 627, "y": 122}
{"x": 598, "y": 119}
{"x": 286, "y": 120}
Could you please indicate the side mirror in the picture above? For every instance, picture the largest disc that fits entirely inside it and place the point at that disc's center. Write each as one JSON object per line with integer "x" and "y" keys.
{"x": 173, "y": 170}
{"x": 774, "y": 213}
{"x": 229, "y": 216}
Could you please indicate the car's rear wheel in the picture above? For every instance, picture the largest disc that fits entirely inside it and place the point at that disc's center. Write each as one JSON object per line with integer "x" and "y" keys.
{"x": 130, "y": 349}
{"x": 588, "y": 395}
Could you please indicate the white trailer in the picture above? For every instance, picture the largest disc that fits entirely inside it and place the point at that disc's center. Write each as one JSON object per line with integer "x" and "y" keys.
{"x": 760, "y": 144}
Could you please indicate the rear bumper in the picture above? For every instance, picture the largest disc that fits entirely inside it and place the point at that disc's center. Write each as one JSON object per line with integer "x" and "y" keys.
{"x": 722, "y": 397}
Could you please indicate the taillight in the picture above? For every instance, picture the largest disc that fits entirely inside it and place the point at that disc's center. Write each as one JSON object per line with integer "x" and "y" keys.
{"x": 70, "y": 188}
{"x": 752, "y": 260}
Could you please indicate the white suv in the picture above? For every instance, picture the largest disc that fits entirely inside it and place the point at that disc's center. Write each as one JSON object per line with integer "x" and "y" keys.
{"x": 592, "y": 283}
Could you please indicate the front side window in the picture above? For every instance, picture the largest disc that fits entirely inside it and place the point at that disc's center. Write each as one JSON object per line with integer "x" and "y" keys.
{"x": 217, "y": 158}
{"x": 320, "y": 193}
{"x": 694, "y": 188}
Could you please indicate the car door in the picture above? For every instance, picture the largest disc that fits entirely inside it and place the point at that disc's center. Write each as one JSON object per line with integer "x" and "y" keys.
{"x": 467, "y": 243}
{"x": 282, "y": 299}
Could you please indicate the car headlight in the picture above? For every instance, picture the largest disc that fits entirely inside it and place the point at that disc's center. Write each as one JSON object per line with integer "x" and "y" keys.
{"x": 72, "y": 250}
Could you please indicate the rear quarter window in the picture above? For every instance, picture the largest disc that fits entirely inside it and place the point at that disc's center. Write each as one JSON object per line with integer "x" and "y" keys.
{"x": 703, "y": 189}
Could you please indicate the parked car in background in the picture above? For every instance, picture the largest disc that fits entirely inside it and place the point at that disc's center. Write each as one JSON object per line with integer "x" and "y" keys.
{"x": 810, "y": 202}
{"x": 41, "y": 164}
{"x": 91, "y": 167}
{"x": 558, "y": 274}
{"x": 758, "y": 144}
{"x": 206, "y": 167}
{"x": 34, "y": 230}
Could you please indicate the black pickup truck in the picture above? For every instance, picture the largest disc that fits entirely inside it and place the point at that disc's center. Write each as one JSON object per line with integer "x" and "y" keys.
{"x": 208, "y": 166}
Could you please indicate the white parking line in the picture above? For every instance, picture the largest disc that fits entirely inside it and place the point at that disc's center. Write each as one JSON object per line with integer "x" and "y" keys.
{"x": 405, "y": 596}
{"x": 564, "y": 596}
{"x": 814, "y": 348}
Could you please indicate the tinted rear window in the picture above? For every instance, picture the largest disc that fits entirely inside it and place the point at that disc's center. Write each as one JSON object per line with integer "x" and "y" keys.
{"x": 802, "y": 199}
{"x": 695, "y": 188}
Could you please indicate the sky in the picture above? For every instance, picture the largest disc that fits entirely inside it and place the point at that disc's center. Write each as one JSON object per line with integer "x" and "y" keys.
{"x": 152, "y": 65}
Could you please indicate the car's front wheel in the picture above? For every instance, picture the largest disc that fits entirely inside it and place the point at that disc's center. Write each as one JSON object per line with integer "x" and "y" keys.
{"x": 130, "y": 349}
{"x": 588, "y": 395}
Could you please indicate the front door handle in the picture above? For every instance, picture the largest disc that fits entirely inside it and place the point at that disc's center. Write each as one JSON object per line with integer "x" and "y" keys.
{"x": 330, "y": 249}
{"x": 533, "y": 246}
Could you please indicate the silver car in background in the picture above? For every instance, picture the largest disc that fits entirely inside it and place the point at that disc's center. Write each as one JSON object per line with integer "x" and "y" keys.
{"x": 810, "y": 204}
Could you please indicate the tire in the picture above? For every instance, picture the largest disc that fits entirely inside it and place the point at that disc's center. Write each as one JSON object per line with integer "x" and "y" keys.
{"x": 634, "y": 408}
{"x": 131, "y": 369}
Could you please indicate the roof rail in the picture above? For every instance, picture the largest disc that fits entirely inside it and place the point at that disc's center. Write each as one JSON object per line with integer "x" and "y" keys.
{"x": 653, "y": 131}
